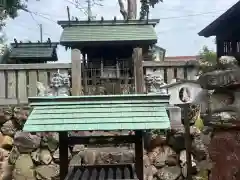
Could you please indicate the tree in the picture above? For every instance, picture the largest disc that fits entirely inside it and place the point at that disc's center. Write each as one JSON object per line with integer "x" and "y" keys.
{"x": 131, "y": 11}
{"x": 12, "y": 6}
{"x": 208, "y": 58}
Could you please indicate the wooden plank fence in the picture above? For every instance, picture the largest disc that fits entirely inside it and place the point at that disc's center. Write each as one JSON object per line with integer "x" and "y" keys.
{"x": 172, "y": 69}
{"x": 19, "y": 81}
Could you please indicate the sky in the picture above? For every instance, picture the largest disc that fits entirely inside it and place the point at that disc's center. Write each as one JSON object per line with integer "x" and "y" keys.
{"x": 180, "y": 21}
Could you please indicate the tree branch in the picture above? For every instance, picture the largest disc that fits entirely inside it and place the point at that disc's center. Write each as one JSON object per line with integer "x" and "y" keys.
{"x": 132, "y": 9}
{"x": 123, "y": 11}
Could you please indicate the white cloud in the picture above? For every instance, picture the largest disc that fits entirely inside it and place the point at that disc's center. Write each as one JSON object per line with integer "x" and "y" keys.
{"x": 178, "y": 35}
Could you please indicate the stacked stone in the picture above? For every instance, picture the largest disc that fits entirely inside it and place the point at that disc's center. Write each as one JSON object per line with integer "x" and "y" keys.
{"x": 223, "y": 83}
{"x": 36, "y": 156}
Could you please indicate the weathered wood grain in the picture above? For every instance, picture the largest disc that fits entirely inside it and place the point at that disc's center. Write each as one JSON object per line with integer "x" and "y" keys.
{"x": 35, "y": 66}
{"x": 170, "y": 74}
{"x": 12, "y": 84}
{"x": 3, "y": 85}
{"x": 180, "y": 73}
{"x": 43, "y": 77}
{"x": 76, "y": 73}
{"x": 32, "y": 86}
{"x": 22, "y": 87}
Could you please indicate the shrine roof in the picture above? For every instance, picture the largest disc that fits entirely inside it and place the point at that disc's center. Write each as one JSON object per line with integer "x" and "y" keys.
{"x": 32, "y": 51}
{"x": 82, "y": 33}
{"x": 227, "y": 21}
{"x": 107, "y": 112}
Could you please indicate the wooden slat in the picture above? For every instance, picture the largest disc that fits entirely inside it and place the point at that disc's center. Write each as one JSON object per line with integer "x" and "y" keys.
{"x": 180, "y": 73}
{"x": 170, "y": 74}
{"x": 138, "y": 70}
{"x": 94, "y": 80}
{"x": 35, "y": 66}
{"x": 22, "y": 87}
{"x": 3, "y": 85}
{"x": 7, "y": 102}
{"x": 12, "y": 84}
{"x": 165, "y": 64}
{"x": 191, "y": 73}
{"x": 76, "y": 73}
{"x": 70, "y": 173}
{"x": 43, "y": 77}
{"x": 32, "y": 86}
{"x": 161, "y": 70}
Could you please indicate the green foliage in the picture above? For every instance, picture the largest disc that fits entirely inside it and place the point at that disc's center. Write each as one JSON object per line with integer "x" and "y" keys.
{"x": 12, "y": 6}
{"x": 145, "y": 5}
{"x": 208, "y": 58}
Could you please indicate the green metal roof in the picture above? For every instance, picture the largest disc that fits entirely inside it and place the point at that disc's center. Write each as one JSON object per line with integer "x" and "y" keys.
{"x": 84, "y": 113}
{"x": 34, "y": 51}
{"x": 86, "y": 33}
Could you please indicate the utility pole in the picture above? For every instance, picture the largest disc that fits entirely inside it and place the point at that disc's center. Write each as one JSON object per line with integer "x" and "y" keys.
{"x": 41, "y": 33}
{"x": 89, "y": 10}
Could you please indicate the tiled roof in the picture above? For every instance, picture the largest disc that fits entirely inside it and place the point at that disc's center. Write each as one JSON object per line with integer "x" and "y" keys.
{"x": 85, "y": 113}
{"x": 34, "y": 51}
{"x": 226, "y": 21}
{"x": 108, "y": 31}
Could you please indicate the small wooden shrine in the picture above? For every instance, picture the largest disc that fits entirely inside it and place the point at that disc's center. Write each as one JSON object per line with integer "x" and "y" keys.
{"x": 99, "y": 113}
{"x": 226, "y": 29}
{"x": 30, "y": 52}
{"x": 107, "y": 47}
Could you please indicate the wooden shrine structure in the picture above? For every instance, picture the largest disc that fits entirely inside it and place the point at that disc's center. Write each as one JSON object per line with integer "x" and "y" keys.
{"x": 99, "y": 113}
{"x": 226, "y": 29}
{"x": 30, "y": 52}
{"x": 109, "y": 49}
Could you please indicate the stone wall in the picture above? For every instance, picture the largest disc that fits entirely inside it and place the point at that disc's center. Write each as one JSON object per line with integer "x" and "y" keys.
{"x": 36, "y": 156}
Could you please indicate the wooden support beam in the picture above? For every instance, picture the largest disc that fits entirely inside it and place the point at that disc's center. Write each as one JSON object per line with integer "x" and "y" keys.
{"x": 138, "y": 70}
{"x": 139, "y": 154}
{"x": 76, "y": 72}
{"x": 85, "y": 74}
{"x": 220, "y": 47}
{"x": 188, "y": 141}
{"x": 63, "y": 152}
{"x": 101, "y": 139}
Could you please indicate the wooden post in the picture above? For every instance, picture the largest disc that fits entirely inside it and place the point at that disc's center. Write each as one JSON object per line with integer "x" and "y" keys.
{"x": 139, "y": 154}
{"x": 76, "y": 73}
{"x": 138, "y": 70}
{"x": 188, "y": 141}
{"x": 220, "y": 47}
{"x": 85, "y": 74}
{"x": 63, "y": 152}
{"x": 139, "y": 88}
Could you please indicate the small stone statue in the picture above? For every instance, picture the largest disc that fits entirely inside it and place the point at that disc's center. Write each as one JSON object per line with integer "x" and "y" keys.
{"x": 153, "y": 83}
{"x": 59, "y": 86}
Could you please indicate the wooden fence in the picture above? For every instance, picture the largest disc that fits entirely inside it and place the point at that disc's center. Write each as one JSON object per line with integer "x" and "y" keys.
{"x": 172, "y": 69}
{"x": 19, "y": 81}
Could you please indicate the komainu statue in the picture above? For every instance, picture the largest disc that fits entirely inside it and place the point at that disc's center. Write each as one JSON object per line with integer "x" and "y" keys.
{"x": 59, "y": 86}
{"x": 153, "y": 83}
